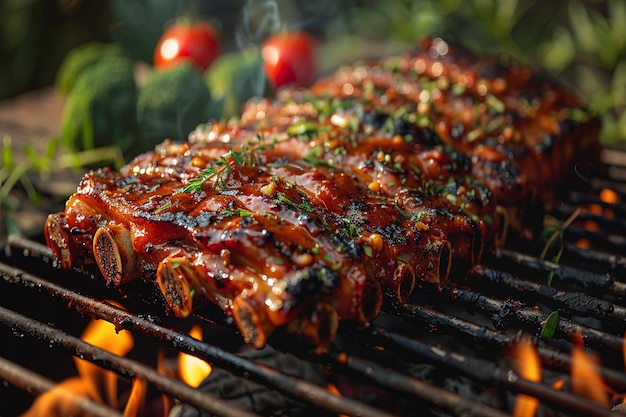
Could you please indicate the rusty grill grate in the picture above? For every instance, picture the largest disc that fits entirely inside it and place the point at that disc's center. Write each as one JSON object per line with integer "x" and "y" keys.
{"x": 444, "y": 353}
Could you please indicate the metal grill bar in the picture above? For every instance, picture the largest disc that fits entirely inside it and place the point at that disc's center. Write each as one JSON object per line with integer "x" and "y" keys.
{"x": 577, "y": 303}
{"x": 485, "y": 335}
{"x": 123, "y": 366}
{"x": 531, "y": 319}
{"x": 296, "y": 388}
{"x": 454, "y": 325}
{"x": 604, "y": 302}
{"x": 615, "y": 224}
{"x": 36, "y": 384}
{"x": 564, "y": 273}
{"x": 550, "y": 357}
{"x": 615, "y": 264}
{"x": 482, "y": 370}
{"x": 387, "y": 378}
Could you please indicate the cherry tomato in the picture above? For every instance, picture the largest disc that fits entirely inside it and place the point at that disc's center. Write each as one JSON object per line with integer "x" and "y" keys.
{"x": 289, "y": 59}
{"x": 196, "y": 41}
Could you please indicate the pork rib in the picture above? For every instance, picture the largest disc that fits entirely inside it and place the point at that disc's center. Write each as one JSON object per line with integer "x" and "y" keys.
{"x": 306, "y": 211}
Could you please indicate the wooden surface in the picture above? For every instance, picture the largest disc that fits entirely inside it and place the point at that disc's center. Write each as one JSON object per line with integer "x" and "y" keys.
{"x": 33, "y": 117}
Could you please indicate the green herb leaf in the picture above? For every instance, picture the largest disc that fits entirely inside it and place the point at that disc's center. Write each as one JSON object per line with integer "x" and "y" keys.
{"x": 302, "y": 129}
{"x": 549, "y": 326}
{"x": 312, "y": 157}
{"x": 163, "y": 207}
{"x": 195, "y": 185}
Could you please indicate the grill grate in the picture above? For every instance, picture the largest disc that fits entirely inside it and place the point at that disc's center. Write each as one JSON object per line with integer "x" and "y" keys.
{"x": 418, "y": 352}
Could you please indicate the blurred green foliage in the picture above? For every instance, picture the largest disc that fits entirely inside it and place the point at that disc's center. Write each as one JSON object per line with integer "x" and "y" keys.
{"x": 100, "y": 107}
{"x": 582, "y": 43}
{"x": 35, "y": 35}
{"x": 81, "y": 58}
{"x": 171, "y": 103}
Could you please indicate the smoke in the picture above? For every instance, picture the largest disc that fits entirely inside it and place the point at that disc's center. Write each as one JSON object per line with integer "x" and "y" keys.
{"x": 262, "y": 18}
{"x": 259, "y": 19}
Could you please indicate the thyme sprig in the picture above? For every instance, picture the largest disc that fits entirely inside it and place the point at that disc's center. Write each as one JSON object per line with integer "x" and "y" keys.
{"x": 556, "y": 236}
{"x": 216, "y": 172}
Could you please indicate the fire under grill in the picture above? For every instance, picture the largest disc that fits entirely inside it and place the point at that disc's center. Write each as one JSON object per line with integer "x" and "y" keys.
{"x": 445, "y": 353}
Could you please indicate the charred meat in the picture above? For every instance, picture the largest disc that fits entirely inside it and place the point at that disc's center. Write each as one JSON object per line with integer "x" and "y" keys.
{"x": 317, "y": 204}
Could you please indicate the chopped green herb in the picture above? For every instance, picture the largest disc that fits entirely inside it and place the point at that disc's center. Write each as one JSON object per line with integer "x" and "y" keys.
{"x": 353, "y": 125}
{"x": 195, "y": 184}
{"x": 303, "y": 206}
{"x": 302, "y": 129}
{"x": 244, "y": 212}
{"x": 451, "y": 198}
{"x": 458, "y": 89}
{"x": 495, "y": 103}
{"x": 164, "y": 207}
{"x": 237, "y": 212}
{"x": 312, "y": 157}
{"x": 472, "y": 135}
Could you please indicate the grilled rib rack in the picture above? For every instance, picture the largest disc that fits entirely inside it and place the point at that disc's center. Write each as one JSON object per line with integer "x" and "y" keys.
{"x": 446, "y": 351}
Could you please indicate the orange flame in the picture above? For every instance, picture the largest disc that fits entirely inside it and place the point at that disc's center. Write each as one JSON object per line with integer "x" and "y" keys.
{"x": 163, "y": 369}
{"x": 137, "y": 396}
{"x": 193, "y": 370}
{"x": 529, "y": 368}
{"x": 93, "y": 383}
{"x": 586, "y": 380}
{"x": 58, "y": 401}
{"x": 97, "y": 380}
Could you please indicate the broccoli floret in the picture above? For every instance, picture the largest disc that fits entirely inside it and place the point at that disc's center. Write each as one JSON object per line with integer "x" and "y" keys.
{"x": 81, "y": 58}
{"x": 100, "y": 109}
{"x": 171, "y": 104}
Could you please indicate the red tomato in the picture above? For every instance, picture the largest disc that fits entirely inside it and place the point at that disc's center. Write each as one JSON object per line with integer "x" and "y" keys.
{"x": 195, "y": 41}
{"x": 289, "y": 59}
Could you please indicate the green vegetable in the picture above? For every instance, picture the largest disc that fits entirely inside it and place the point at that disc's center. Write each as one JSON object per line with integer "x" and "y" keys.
{"x": 100, "y": 109}
{"x": 171, "y": 104}
{"x": 79, "y": 59}
{"x": 235, "y": 77}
